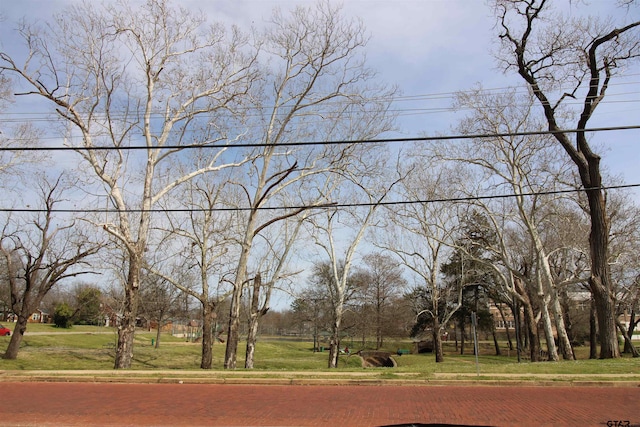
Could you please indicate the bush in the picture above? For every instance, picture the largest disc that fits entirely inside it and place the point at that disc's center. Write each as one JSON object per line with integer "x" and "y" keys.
{"x": 87, "y": 306}
{"x": 62, "y": 317}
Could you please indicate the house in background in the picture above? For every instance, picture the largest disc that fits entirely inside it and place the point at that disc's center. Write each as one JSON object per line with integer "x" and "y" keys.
{"x": 112, "y": 318}
{"x": 40, "y": 316}
{"x": 580, "y": 306}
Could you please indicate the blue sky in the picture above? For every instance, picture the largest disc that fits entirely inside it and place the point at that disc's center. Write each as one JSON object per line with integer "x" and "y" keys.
{"x": 427, "y": 48}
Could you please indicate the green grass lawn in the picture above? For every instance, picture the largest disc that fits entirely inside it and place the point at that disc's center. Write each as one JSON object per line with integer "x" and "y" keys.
{"x": 93, "y": 348}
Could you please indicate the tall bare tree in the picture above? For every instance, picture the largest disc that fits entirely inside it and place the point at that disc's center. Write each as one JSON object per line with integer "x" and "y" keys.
{"x": 154, "y": 77}
{"x": 562, "y": 59}
{"x": 421, "y": 237}
{"x": 195, "y": 249}
{"x": 317, "y": 88}
{"x": 13, "y": 165}
{"x": 525, "y": 165}
{"x": 384, "y": 282}
{"x": 324, "y": 302}
{"x": 625, "y": 265}
{"x": 40, "y": 252}
{"x": 271, "y": 269}
{"x": 338, "y": 232}
{"x": 326, "y": 231}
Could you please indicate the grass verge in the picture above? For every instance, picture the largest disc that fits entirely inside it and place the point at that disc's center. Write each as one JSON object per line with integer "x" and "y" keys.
{"x": 46, "y": 348}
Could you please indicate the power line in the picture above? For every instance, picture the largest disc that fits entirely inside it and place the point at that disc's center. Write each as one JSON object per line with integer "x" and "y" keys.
{"x": 334, "y": 142}
{"x": 520, "y": 89}
{"x": 399, "y": 111}
{"x": 334, "y": 205}
{"x": 254, "y": 111}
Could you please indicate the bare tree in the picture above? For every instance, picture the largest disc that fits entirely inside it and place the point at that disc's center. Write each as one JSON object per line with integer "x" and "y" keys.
{"x": 154, "y": 77}
{"x": 14, "y": 160}
{"x": 384, "y": 282}
{"x": 160, "y": 302}
{"x": 525, "y": 165}
{"x": 500, "y": 244}
{"x": 561, "y": 59}
{"x": 270, "y": 270}
{"x": 5, "y": 290}
{"x": 625, "y": 265}
{"x": 421, "y": 237}
{"x": 325, "y": 301}
{"x": 317, "y": 88}
{"x": 194, "y": 251}
{"x": 39, "y": 253}
{"x": 339, "y": 232}
{"x": 312, "y": 305}
{"x": 339, "y": 267}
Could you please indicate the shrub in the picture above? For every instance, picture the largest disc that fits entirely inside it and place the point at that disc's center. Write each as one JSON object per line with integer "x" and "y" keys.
{"x": 62, "y": 316}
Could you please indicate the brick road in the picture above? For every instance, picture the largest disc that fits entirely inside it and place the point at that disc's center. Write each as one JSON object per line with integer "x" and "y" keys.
{"x": 108, "y": 404}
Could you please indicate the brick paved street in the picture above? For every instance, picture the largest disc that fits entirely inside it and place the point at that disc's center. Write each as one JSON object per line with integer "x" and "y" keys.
{"x": 107, "y": 404}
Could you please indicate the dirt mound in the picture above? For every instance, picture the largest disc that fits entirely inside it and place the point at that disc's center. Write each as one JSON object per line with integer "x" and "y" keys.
{"x": 376, "y": 359}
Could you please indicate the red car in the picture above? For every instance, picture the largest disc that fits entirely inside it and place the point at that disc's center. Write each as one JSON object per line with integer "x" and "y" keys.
{"x": 4, "y": 332}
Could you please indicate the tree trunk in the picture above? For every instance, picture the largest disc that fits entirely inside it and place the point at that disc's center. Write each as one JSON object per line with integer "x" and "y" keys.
{"x": 628, "y": 345}
{"x": 462, "y": 333}
{"x": 157, "y": 345}
{"x": 564, "y": 344}
{"x": 524, "y": 331}
{"x": 254, "y": 317}
{"x": 627, "y": 339}
{"x": 495, "y": 339}
{"x": 127, "y": 326}
{"x": 334, "y": 345}
{"x": 548, "y": 331}
{"x": 231, "y": 352}
{"x": 16, "y": 338}
{"x": 124, "y": 347}
{"x": 455, "y": 333}
{"x": 437, "y": 340}
{"x": 515, "y": 310}
{"x": 600, "y": 281}
{"x": 593, "y": 331}
{"x": 529, "y": 321}
{"x": 334, "y": 349}
{"x": 506, "y": 325}
{"x": 564, "y": 303}
{"x": 378, "y": 327}
{"x": 544, "y": 282}
{"x": 605, "y": 311}
{"x": 233, "y": 337}
{"x": 252, "y": 338}
{"x": 208, "y": 317}
{"x": 532, "y": 333}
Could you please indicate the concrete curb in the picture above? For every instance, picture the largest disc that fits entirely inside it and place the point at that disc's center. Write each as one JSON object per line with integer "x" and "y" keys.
{"x": 319, "y": 378}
